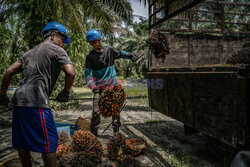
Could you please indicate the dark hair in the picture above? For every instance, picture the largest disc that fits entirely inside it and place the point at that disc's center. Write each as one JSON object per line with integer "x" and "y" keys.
{"x": 46, "y": 34}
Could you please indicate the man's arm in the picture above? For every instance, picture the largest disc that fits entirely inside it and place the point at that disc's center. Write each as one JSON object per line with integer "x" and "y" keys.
{"x": 69, "y": 71}
{"x": 123, "y": 54}
{"x": 15, "y": 68}
{"x": 70, "y": 76}
{"x": 89, "y": 79}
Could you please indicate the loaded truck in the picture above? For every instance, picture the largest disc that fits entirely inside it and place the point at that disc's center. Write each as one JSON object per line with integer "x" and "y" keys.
{"x": 199, "y": 88}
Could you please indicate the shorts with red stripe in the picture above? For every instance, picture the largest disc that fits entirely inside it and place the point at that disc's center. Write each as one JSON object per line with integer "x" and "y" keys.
{"x": 33, "y": 129}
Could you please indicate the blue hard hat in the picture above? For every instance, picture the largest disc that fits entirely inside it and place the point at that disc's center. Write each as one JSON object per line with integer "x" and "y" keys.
{"x": 93, "y": 35}
{"x": 60, "y": 29}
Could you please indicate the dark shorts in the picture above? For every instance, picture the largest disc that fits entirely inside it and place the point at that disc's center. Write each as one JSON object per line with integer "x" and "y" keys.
{"x": 33, "y": 129}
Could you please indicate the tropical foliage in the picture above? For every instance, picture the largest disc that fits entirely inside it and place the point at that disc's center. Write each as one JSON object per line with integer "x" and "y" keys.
{"x": 22, "y": 21}
{"x": 133, "y": 39}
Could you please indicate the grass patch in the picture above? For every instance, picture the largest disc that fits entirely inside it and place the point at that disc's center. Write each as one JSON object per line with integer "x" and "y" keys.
{"x": 137, "y": 95}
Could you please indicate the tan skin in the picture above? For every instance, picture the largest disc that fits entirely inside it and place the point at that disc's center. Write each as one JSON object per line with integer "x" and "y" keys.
{"x": 97, "y": 45}
{"x": 48, "y": 158}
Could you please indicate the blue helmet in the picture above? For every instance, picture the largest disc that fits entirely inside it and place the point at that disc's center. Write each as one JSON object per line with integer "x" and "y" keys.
{"x": 93, "y": 35}
{"x": 59, "y": 28}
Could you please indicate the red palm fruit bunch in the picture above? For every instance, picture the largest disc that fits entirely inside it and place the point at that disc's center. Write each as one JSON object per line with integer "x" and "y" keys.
{"x": 158, "y": 43}
{"x": 127, "y": 161}
{"x": 76, "y": 159}
{"x": 63, "y": 137}
{"x": 135, "y": 147}
{"x": 70, "y": 160}
{"x": 64, "y": 149}
{"x": 114, "y": 145}
{"x": 111, "y": 101}
{"x": 85, "y": 141}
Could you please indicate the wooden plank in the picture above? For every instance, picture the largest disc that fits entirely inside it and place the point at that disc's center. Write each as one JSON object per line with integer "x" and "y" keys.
{"x": 213, "y": 11}
{"x": 152, "y": 3}
{"x": 180, "y": 103}
{"x": 157, "y": 11}
{"x": 210, "y": 21}
{"x": 202, "y": 31}
{"x": 149, "y": 13}
{"x": 156, "y": 92}
{"x": 215, "y": 106}
{"x": 229, "y": 3}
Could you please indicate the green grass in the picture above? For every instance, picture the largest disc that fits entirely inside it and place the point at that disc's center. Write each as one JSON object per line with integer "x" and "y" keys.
{"x": 138, "y": 95}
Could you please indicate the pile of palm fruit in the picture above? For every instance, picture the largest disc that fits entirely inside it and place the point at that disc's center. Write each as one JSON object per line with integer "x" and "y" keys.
{"x": 63, "y": 137}
{"x": 124, "y": 150}
{"x": 115, "y": 145}
{"x": 127, "y": 161}
{"x": 64, "y": 149}
{"x": 242, "y": 56}
{"x": 158, "y": 43}
{"x": 76, "y": 159}
{"x": 135, "y": 147}
{"x": 85, "y": 141}
{"x": 84, "y": 149}
{"x": 111, "y": 101}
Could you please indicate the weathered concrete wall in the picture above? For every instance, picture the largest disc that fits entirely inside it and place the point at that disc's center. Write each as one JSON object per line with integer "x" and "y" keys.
{"x": 188, "y": 51}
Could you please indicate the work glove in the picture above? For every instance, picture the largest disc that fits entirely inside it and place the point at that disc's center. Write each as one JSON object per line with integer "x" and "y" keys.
{"x": 4, "y": 99}
{"x": 133, "y": 56}
{"x": 63, "y": 96}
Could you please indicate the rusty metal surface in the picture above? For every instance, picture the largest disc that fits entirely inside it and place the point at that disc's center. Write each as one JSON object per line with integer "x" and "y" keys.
{"x": 194, "y": 46}
{"x": 213, "y": 103}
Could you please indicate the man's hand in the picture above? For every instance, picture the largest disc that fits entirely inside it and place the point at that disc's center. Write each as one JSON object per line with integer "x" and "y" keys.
{"x": 133, "y": 56}
{"x": 4, "y": 99}
{"x": 96, "y": 90}
{"x": 63, "y": 96}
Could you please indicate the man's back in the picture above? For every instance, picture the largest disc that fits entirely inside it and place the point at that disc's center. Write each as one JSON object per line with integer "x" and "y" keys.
{"x": 40, "y": 70}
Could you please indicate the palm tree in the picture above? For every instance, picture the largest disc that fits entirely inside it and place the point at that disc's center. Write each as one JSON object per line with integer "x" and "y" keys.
{"x": 78, "y": 15}
{"x": 133, "y": 39}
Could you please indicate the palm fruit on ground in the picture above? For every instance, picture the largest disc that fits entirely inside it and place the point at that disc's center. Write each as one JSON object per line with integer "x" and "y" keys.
{"x": 135, "y": 147}
{"x": 63, "y": 137}
{"x": 75, "y": 159}
{"x": 127, "y": 161}
{"x": 85, "y": 141}
{"x": 114, "y": 145}
{"x": 111, "y": 101}
{"x": 64, "y": 149}
{"x": 70, "y": 160}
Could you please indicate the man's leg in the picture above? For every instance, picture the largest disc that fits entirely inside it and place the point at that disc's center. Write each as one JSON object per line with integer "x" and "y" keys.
{"x": 25, "y": 158}
{"x": 116, "y": 123}
{"x": 49, "y": 159}
{"x": 96, "y": 119}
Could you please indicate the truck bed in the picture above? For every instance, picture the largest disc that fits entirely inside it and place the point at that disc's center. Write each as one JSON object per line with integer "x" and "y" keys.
{"x": 212, "y": 99}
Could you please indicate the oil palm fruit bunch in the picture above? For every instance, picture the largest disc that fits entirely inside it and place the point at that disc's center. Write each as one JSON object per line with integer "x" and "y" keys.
{"x": 75, "y": 159}
{"x": 85, "y": 141}
{"x": 114, "y": 145}
{"x": 70, "y": 160}
{"x": 158, "y": 43}
{"x": 242, "y": 56}
{"x": 111, "y": 101}
{"x": 135, "y": 147}
{"x": 127, "y": 161}
{"x": 63, "y": 137}
{"x": 64, "y": 149}
{"x": 87, "y": 160}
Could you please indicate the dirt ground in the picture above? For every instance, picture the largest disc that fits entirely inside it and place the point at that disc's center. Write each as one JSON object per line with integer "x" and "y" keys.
{"x": 168, "y": 146}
